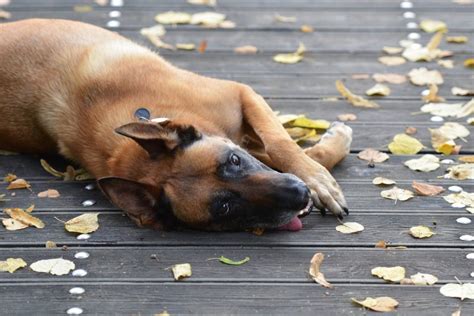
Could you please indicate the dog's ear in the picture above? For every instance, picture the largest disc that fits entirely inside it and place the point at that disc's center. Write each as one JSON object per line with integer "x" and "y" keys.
{"x": 137, "y": 200}
{"x": 160, "y": 137}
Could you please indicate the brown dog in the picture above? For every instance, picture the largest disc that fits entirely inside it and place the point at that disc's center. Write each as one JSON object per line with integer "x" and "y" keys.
{"x": 205, "y": 161}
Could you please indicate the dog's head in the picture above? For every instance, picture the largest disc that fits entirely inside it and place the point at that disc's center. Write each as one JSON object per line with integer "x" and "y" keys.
{"x": 205, "y": 182}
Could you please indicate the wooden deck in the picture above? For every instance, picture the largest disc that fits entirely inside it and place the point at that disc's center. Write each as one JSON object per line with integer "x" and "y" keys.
{"x": 126, "y": 266}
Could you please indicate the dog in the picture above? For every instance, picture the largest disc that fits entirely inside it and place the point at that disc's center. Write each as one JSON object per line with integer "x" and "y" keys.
{"x": 167, "y": 146}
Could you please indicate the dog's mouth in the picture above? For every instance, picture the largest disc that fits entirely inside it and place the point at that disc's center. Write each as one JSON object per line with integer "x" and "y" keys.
{"x": 295, "y": 223}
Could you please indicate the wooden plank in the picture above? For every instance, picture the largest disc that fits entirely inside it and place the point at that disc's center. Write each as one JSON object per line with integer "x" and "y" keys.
{"x": 117, "y": 229}
{"x": 219, "y": 299}
{"x": 279, "y": 264}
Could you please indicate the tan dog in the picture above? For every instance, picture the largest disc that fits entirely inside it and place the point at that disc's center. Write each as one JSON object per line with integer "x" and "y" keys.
{"x": 67, "y": 87}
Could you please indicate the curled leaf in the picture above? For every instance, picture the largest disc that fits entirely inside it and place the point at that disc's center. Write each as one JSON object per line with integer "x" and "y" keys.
{"x": 314, "y": 270}
{"x": 291, "y": 58}
{"x": 232, "y": 262}
{"x": 25, "y": 218}
{"x": 181, "y": 271}
{"x": 354, "y": 99}
{"x": 378, "y": 90}
{"x": 382, "y": 181}
{"x": 461, "y": 172}
{"x": 18, "y": 184}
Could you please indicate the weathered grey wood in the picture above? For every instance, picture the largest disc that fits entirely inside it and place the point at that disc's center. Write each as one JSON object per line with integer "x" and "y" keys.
{"x": 117, "y": 229}
{"x": 213, "y": 298}
{"x": 282, "y": 264}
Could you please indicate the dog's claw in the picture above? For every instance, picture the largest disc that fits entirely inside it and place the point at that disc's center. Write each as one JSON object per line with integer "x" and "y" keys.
{"x": 346, "y": 210}
{"x": 340, "y": 216}
{"x": 323, "y": 211}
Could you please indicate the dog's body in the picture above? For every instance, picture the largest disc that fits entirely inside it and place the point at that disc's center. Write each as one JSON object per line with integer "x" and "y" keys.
{"x": 66, "y": 86}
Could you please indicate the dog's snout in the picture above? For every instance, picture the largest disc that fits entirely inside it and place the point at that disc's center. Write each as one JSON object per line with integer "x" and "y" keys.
{"x": 298, "y": 191}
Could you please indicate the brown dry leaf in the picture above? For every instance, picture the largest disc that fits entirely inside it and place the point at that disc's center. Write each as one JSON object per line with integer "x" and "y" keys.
{"x": 13, "y": 224}
{"x": 423, "y": 76}
{"x": 467, "y": 159}
{"x": 461, "y": 91}
{"x": 350, "y": 228}
{"x": 372, "y": 155}
{"x": 433, "y": 96}
{"x": 461, "y": 172}
{"x": 315, "y": 273}
{"x": 392, "y": 50}
{"x": 57, "y": 266}
{"x": 246, "y": 50}
{"x": 50, "y": 244}
{"x": 354, "y": 99}
{"x": 9, "y": 178}
{"x": 181, "y": 271}
{"x": 469, "y": 63}
{"x": 461, "y": 291}
{"x": 410, "y": 130}
{"x": 425, "y": 189}
{"x": 431, "y": 26}
{"x": 389, "y": 78}
{"x": 258, "y": 231}
{"x": 284, "y": 19}
{"x": 423, "y": 279}
{"x": 202, "y": 46}
{"x": 5, "y": 14}
{"x": 50, "y": 193}
{"x": 392, "y": 60}
{"x": 291, "y": 58}
{"x": 397, "y": 194}
{"x": 306, "y": 28}
{"x": 421, "y": 232}
{"x": 378, "y": 90}
{"x": 185, "y": 46}
{"x": 69, "y": 175}
{"x": 392, "y": 274}
{"x": 425, "y": 163}
{"x": 345, "y": 117}
{"x": 378, "y": 304}
{"x": 83, "y": 224}
{"x": 383, "y": 181}
{"x": 382, "y": 244}
{"x": 460, "y": 39}
{"x": 403, "y": 144}
{"x": 24, "y": 217}
{"x": 12, "y": 264}
{"x": 18, "y": 184}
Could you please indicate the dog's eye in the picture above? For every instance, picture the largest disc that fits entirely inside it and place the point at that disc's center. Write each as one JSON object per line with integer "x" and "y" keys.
{"x": 235, "y": 160}
{"x": 225, "y": 208}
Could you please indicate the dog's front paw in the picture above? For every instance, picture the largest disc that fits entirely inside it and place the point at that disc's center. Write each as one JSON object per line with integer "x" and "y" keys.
{"x": 327, "y": 194}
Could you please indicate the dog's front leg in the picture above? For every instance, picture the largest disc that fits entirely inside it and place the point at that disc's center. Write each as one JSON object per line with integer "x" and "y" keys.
{"x": 287, "y": 156}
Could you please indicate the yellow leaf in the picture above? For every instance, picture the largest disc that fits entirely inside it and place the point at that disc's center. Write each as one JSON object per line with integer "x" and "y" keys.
{"x": 306, "y": 28}
{"x": 468, "y": 159}
{"x": 469, "y": 63}
{"x": 5, "y": 14}
{"x": 83, "y": 8}
{"x": 392, "y": 50}
{"x": 433, "y": 96}
{"x": 18, "y": 184}
{"x": 172, "y": 17}
{"x": 350, "y": 228}
{"x": 423, "y": 279}
{"x": 403, "y": 144}
{"x": 421, "y": 232}
{"x": 285, "y": 19}
{"x": 431, "y": 26}
{"x": 425, "y": 163}
{"x": 461, "y": 291}
{"x": 13, "y": 224}
{"x": 210, "y": 3}
{"x": 382, "y": 181}
{"x": 186, "y": 46}
{"x": 50, "y": 244}
{"x": 461, "y": 198}
{"x": 423, "y": 76}
{"x": 12, "y": 264}
{"x": 354, "y": 99}
{"x": 9, "y": 177}
{"x": 22, "y": 216}
{"x": 392, "y": 60}
{"x": 314, "y": 270}
{"x": 291, "y": 58}
{"x": 58, "y": 266}
{"x": 393, "y": 274}
{"x": 181, "y": 271}
{"x": 308, "y": 123}
{"x": 83, "y": 224}
{"x": 378, "y": 304}
{"x": 397, "y": 194}
{"x": 457, "y": 39}
{"x": 378, "y": 90}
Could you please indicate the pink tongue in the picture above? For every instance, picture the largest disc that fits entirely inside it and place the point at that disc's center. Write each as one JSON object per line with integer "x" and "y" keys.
{"x": 294, "y": 225}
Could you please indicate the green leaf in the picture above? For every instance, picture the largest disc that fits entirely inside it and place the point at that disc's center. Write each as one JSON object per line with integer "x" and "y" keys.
{"x": 232, "y": 262}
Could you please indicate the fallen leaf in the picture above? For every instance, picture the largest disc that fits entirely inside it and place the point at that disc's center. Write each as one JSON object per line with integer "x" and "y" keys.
{"x": 433, "y": 96}
{"x": 381, "y": 244}
{"x": 457, "y": 110}
{"x": 460, "y": 39}
{"x": 423, "y": 76}
{"x": 410, "y": 130}
{"x": 101, "y": 3}
{"x": 172, "y": 17}
{"x": 416, "y": 52}
{"x": 202, "y": 46}
{"x": 470, "y": 121}
{"x": 425, "y": 189}
{"x": 314, "y": 270}
{"x": 83, "y": 224}
{"x": 360, "y": 76}
{"x": 431, "y": 26}
{"x": 25, "y": 218}
{"x": 291, "y": 58}
{"x": 354, "y": 99}
{"x": 461, "y": 172}
{"x": 232, "y": 262}
{"x": 372, "y": 155}
{"x": 57, "y": 266}
{"x": 83, "y": 8}
{"x": 258, "y": 231}
{"x": 383, "y": 181}
{"x": 421, "y": 232}
{"x": 389, "y": 78}
{"x": 469, "y": 63}
{"x": 288, "y": 118}
{"x": 456, "y": 313}
{"x": 423, "y": 279}
{"x": 446, "y": 63}
{"x": 50, "y": 244}
{"x": 461, "y": 291}
{"x": 403, "y": 144}
{"x": 309, "y": 123}
{"x": 345, "y": 117}
{"x": 392, "y": 60}
{"x": 211, "y": 3}
{"x": 425, "y": 163}
{"x": 306, "y": 28}
{"x": 392, "y": 50}
{"x": 454, "y": 130}
{"x": 247, "y": 50}
{"x": 378, "y": 90}
{"x": 70, "y": 174}
{"x": 468, "y": 159}
{"x": 5, "y": 14}
{"x": 461, "y": 198}
{"x": 12, "y": 264}
{"x": 50, "y": 193}
{"x": 393, "y": 274}
{"x": 350, "y": 228}
{"x": 397, "y": 194}
{"x": 185, "y": 46}
{"x": 18, "y": 184}
{"x": 378, "y": 304}
{"x": 285, "y": 19}
{"x": 212, "y": 19}
{"x": 181, "y": 271}
{"x": 461, "y": 91}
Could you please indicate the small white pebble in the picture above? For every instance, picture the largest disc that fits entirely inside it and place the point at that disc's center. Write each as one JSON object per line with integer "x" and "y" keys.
{"x": 412, "y": 25}
{"x": 425, "y": 92}
{"x": 455, "y": 188}
{"x": 472, "y": 274}
{"x": 409, "y": 15}
{"x": 83, "y": 237}
{"x": 470, "y": 255}
{"x": 116, "y": 3}
{"x": 115, "y": 14}
{"x": 447, "y": 161}
{"x": 88, "y": 203}
{"x": 81, "y": 255}
{"x": 406, "y": 5}
{"x": 463, "y": 220}
{"x": 79, "y": 273}
{"x": 414, "y": 36}
{"x": 74, "y": 311}
{"x": 113, "y": 23}
{"x": 436, "y": 119}
{"x": 467, "y": 237}
{"x": 76, "y": 290}
{"x": 458, "y": 205}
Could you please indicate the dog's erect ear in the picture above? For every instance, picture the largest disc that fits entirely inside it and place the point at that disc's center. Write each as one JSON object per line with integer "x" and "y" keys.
{"x": 160, "y": 137}
{"x": 136, "y": 199}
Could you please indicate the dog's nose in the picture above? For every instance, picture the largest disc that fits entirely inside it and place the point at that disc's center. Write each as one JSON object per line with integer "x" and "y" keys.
{"x": 299, "y": 192}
